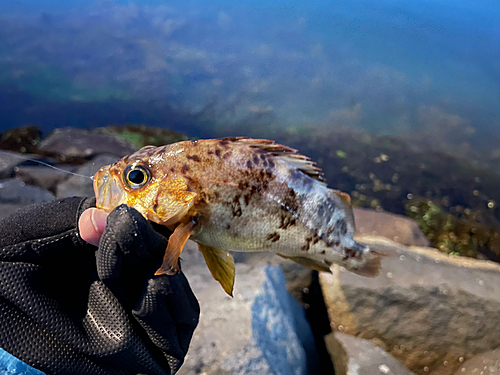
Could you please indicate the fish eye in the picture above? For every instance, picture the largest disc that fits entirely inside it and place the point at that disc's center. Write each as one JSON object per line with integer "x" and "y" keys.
{"x": 135, "y": 176}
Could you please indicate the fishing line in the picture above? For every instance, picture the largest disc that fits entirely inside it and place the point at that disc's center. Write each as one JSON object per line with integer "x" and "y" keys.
{"x": 46, "y": 164}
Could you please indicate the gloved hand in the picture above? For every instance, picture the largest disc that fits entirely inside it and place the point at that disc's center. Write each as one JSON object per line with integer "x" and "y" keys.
{"x": 68, "y": 307}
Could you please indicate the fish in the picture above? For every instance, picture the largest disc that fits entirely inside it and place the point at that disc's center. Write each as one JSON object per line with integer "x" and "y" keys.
{"x": 237, "y": 194}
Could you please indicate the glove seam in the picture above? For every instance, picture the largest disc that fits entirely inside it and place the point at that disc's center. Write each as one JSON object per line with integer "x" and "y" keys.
{"x": 37, "y": 244}
{"x": 47, "y": 241}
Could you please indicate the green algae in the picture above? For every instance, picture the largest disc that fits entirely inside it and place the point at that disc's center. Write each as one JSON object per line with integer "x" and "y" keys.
{"x": 142, "y": 135}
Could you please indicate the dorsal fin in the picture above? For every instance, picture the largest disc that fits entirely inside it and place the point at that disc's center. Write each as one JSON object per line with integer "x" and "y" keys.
{"x": 305, "y": 165}
{"x": 288, "y": 155}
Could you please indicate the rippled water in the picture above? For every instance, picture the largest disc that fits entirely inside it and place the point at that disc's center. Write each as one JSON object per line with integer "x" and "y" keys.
{"x": 387, "y": 66}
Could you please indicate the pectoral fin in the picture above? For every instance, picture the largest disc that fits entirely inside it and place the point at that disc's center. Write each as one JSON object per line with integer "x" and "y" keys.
{"x": 176, "y": 242}
{"x": 221, "y": 265}
{"x": 312, "y": 264}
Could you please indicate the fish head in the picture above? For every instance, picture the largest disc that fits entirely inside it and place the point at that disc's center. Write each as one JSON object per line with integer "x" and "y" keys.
{"x": 123, "y": 183}
{"x": 131, "y": 181}
{"x": 143, "y": 181}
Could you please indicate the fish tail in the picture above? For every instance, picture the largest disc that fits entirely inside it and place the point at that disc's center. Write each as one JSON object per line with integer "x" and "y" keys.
{"x": 370, "y": 260}
{"x": 371, "y": 266}
{"x": 350, "y": 244}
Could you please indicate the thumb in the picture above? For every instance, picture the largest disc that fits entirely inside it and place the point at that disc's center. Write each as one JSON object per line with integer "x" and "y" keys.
{"x": 91, "y": 225}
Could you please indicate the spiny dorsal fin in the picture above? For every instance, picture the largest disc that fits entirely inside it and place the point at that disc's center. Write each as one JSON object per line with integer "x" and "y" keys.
{"x": 305, "y": 165}
{"x": 288, "y": 155}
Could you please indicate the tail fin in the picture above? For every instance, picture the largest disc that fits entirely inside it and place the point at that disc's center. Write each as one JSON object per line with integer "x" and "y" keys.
{"x": 369, "y": 261}
{"x": 371, "y": 267}
{"x": 364, "y": 261}
{"x": 357, "y": 248}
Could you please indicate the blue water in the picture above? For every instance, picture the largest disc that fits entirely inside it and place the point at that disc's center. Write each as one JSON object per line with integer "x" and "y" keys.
{"x": 389, "y": 66}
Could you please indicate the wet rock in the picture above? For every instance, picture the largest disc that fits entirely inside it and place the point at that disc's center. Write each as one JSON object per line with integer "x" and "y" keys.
{"x": 262, "y": 330}
{"x": 23, "y": 139}
{"x": 42, "y": 176}
{"x": 484, "y": 363}
{"x": 464, "y": 235}
{"x": 427, "y": 309}
{"x": 15, "y": 191}
{"x": 82, "y": 186}
{"x": 394, "y": 227}
{"x": 355, "y": 356}
{"x": 76, "y": 144}
{"x": 9, "y": 160}
{"x": 297, "y": 276}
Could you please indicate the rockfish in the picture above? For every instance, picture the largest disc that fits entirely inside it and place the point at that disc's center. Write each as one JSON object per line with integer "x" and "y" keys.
{"x": 237, "y": 194}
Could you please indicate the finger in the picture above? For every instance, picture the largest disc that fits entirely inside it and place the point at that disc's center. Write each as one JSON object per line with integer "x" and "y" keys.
{"x": 169, "y": 312}
{"x": 92, "y": 224}
{"x": 129, "y": 253}
{"x": 184, "y": 308}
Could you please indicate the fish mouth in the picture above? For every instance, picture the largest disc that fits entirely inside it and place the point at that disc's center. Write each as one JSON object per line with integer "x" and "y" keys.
{"x": 107, "y": 189}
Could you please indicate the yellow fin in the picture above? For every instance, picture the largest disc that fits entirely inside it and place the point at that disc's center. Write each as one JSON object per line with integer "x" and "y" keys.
{"x": 221, "y": 266}
{"x": 371, "y": 268}
{"x": 176, "y": 242}
{"x": 312, "y": 264}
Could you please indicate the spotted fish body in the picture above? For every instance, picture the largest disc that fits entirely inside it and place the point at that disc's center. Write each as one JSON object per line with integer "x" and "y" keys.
{"x": 237, "y": 194}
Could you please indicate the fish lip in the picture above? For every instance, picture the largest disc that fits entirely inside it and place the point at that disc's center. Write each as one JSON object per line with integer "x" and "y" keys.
{"x": 107, "y": 189}
{"x": 99, "y": 181}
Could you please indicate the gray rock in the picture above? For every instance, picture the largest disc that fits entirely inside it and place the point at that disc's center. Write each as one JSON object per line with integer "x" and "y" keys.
{"x": 426, "y": 309}
{"x": 484, "y": 363}
{"x": 355, "y": 356}
{"x": 43, "y": 176}
{"x": 397, "y": 228}
{"x": 70, "y": 143}
{"x": 9, "y": 160}
{"x": 15, "y": 191}
{"x": 297, "y": 276}
{"x": 83, "y": 186}
{"x": 262, "y": 330}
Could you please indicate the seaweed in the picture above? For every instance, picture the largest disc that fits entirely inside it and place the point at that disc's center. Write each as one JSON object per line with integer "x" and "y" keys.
{"x": 142, "y": 135}
{"x": 464, "y": 236}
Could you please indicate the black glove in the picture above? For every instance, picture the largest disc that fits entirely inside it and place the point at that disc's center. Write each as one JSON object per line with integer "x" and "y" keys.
{"x": 69, "y": 309}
